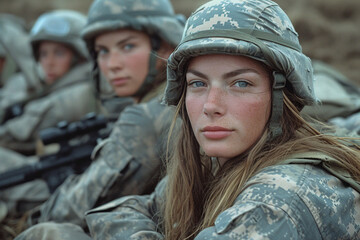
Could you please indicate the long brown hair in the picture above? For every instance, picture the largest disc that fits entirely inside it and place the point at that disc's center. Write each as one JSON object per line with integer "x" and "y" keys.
{"x": 195, "y": 197}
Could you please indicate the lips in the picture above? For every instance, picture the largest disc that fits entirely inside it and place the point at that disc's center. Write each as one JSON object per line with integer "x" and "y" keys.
{"x": 51, "y": 75}
{"x": 119, "y": 81}
{"x": 216, "y": 132}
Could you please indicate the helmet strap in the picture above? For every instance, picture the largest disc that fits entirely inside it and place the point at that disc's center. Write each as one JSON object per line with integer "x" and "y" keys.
{"x": 152, "y": 72}
{"x": 277, "y": 105}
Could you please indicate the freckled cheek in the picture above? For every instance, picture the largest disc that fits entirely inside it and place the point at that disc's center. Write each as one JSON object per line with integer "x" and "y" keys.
{"x": 102, "y": 66}
{"x": 256, "y": 111}
{"x": 138, "y": 62}
{"x": 194, "y": 110}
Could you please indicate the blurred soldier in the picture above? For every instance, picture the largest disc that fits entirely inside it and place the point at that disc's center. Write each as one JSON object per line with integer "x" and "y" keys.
{"x": 338, "y": 99}
{"x": 130, "y": 41}
{"x": 2, "y": 63}
{"x": 19, "y": 72}
{"x": 338, "y": 96}
{"x": 68, "y": 94}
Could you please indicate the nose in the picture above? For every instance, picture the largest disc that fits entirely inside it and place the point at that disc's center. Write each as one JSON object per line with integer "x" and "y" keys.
{"x": 214, "y": 102}
{"x": 47, "y": 62}
{"x": 115, "y": 60}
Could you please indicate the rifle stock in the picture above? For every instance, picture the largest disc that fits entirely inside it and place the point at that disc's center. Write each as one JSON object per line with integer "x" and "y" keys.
{"x": 72, "y": 158}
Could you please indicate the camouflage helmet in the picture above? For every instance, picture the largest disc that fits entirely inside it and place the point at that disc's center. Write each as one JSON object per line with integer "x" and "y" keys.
{"x": 63, "y": 26}
{"x": 254, "y": 28}
{"x": 154, "y": 17}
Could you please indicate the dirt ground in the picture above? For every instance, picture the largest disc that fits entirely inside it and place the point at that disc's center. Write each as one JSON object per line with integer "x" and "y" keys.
{"x": 328, "y": 29}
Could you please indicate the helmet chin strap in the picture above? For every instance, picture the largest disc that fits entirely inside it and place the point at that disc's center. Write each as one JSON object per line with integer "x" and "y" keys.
{"x": 152, "y": 72}
{"x": 275, "y": 129}
{"x": 150, "y": 77}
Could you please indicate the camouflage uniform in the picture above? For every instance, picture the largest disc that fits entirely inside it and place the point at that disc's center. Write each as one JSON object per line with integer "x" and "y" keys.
{"x": 20, "y": 76}
{"x": 56, "y": 102}
{"x": 292, "y": 201}
{"x": 300, "y": 198}
{"x": 296, "y": 199}
{"x": 130, "y": 160}
{"x": 26, "y": 196}
{"x": 338, "y": 96}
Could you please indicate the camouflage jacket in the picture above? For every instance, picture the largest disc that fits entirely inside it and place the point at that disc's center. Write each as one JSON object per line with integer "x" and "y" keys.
{"x": 128, "y": 162}
{"x": 68, "y": 99}
{"x": 288, "y": 201}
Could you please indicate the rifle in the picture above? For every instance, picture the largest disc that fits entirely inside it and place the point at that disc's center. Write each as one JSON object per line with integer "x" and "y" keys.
{"x": 77, "y": 141}
{"x": 12, "y": 111}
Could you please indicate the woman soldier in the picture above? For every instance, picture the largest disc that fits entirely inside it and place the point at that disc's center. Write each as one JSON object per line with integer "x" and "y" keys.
{"x": 67, "y": 95}
{"x": 130, "y": 41}
{"x": 62, "y": 54}
{"x": 247, "y": 165}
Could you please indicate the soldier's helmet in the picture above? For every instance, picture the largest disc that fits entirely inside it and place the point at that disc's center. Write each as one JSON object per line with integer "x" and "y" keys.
{"x": 254, "y": 28}
{"x": 63, "y": 26}
{"x": 154, "y": 17}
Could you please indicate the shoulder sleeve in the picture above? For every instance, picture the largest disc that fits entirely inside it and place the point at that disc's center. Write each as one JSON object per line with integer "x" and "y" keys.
{"x": 127, "y": 164}
{"x": 269, "y": 208}
{"x": 131, "y": 217}
{"x": 251, "y": 220}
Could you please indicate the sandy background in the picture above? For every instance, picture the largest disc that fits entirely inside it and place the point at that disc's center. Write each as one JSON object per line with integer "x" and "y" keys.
{"x": 329, "y": 29}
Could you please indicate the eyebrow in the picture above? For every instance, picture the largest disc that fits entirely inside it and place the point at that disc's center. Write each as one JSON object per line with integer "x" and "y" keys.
{"x": 226, "y": 75}
{"x": 118, "y": 43}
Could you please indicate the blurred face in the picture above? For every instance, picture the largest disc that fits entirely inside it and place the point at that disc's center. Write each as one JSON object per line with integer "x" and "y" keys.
{"x": 55, "y": 59}
{"x": 123, "y": 58}
{"x": 228, "y": 101}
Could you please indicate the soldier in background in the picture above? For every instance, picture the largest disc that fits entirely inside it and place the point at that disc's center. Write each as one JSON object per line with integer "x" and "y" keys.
{"x": 68, "y": 92}
{"x": 238, "y": 187}
{"x": 130, "y": 41}
{"x": 239, "y": 80}
{"x": 338, "y": 99}
{"x": 20, "y": 74}
{"x": 338, "y": 96}
{"x": 2, "y": 64}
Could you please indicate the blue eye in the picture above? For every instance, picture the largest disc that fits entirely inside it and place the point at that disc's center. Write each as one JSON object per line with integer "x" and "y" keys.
{"x": 197, "y": 84}
{"x": 128, "y": 46}
{"x": 241, "y": 84}
{"x": 102, "y": 52}
{"x": 59, "y": 52}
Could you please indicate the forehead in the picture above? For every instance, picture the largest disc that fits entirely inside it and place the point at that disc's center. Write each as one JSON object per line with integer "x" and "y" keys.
{"x": 225, "y": 62}
{"x": 53, "y": 44}
{"x": 119, "y": 34}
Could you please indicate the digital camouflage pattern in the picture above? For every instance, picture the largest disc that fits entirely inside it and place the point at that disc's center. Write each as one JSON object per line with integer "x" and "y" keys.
{"x": 129, "y": 162}
{"x": 257, "y": 29}
{"x": 155, "y": 17}
{"x": 68, "y": 99}
{"x": 292, "y": 201}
